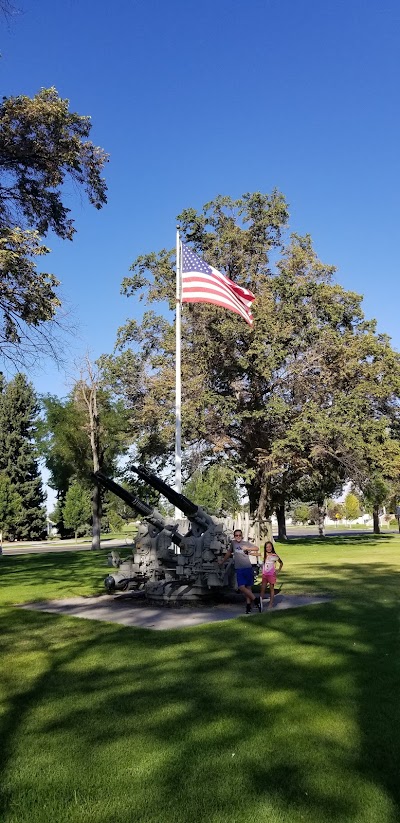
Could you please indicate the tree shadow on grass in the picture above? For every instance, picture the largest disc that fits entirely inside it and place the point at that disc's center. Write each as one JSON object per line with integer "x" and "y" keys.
{"x": 286, "y": 717}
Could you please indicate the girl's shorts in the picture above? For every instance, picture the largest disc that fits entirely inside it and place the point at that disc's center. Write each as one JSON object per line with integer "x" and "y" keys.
{"x": 269, "y": 578}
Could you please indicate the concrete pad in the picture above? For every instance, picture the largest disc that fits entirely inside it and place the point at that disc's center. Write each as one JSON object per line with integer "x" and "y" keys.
{"x": 129, "y": 610}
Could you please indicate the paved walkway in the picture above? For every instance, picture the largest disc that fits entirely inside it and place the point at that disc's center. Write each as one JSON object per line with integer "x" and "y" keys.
{"x": 131, "y": 611}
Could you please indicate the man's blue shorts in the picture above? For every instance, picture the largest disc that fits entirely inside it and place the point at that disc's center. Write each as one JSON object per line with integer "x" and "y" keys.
{"x": 245, "y": 577}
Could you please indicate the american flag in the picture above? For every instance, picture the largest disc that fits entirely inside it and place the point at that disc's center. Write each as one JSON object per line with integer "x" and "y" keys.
{"x": 202, "y": 283}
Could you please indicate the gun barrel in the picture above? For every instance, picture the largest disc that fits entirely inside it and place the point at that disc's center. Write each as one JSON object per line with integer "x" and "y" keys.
{"x": 124, "y": 494}
{"x": 179, "y": 500}
{"x": 151, "y": 515}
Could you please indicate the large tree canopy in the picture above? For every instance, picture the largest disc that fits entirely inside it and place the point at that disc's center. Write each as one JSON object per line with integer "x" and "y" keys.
{"x": 303, "y": 398}
{"x": 42, "y": 146}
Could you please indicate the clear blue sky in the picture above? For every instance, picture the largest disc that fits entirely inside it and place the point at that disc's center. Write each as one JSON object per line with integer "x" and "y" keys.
{"x": 223, "y": 96}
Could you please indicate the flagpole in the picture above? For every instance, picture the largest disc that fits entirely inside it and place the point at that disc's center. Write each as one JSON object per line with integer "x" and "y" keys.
{"x": 178, "y": 387}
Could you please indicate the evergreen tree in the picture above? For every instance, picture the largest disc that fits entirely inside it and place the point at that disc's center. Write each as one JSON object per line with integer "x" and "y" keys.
{"x": 18, "y": 456}
{"x": 10, "y": 507}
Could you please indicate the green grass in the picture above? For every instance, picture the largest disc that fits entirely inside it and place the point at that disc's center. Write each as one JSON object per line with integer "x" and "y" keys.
{"x": 29, "y": 577}
{"x": 280, "y": 718}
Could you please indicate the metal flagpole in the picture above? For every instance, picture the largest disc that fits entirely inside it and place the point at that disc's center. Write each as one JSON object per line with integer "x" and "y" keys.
{"x": 178, "y": 390}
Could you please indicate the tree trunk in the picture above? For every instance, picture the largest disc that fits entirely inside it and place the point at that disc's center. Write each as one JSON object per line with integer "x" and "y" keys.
{"x": 281, "y": 518}
{"x": 89, "y": 394}
{"x": 96, "y": 518}
{"x": 259, "y": 513}
{"x": 262, "y": 510}
{"x": 267, "y": 531}
{"x": 375, "y": 516}
{"x": 321, "y": 519}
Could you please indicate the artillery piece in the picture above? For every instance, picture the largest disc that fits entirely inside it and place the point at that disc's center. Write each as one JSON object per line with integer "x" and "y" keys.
{"x": 170, "y": 567}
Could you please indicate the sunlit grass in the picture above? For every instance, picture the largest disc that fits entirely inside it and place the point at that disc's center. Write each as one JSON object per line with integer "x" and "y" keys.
{"x": 280, "y": 718}
{"x": 29, "y": 577}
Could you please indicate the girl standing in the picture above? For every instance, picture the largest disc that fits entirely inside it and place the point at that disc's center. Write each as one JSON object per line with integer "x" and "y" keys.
{"x": 269, "y": 571}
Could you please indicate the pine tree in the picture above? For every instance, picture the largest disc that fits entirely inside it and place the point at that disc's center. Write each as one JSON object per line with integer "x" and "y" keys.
{"x": 10, "y": 507}
{"x": 18, "y": 456}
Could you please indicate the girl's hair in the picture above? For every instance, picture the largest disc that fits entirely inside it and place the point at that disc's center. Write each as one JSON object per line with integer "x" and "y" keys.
{"x": 268, "y": 543}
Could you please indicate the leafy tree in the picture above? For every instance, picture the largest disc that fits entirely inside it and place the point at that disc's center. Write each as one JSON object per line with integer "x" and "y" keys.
{"x": 42, "y": 146}
{"x": 103, "y": 423}
{"x": 377, "y": 492}
{"x": 214, "y": 489}
{"x": 77, "y": 508}
{"x": 351, "y": 507}
{"x": 301, "y": 513}
{"x": 28, "y": 298}
{"x": 208, "y": 337}
{"x": 112, "y": 516}
{"x": 334, "y": 510}
{"x": 10, "y": 507}
{"x": 62, "y": 442}
{"x": 19, "y": 458}
{"x": 342, "y": 379}
{"x": 83, "y": 433}
{"x": 115, "y": 512}
{"x": 291, "y": 403}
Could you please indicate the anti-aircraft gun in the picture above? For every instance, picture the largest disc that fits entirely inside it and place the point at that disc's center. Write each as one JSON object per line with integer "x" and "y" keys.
{"x": 172, "y": 567}
{"x": 197, "y": 574}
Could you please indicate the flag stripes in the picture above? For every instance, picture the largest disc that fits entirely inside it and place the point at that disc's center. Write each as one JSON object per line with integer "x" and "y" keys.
{"x": 202, "y": 283}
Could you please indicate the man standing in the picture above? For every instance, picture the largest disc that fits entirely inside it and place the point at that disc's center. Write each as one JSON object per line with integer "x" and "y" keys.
{"x": 243, "y": 568}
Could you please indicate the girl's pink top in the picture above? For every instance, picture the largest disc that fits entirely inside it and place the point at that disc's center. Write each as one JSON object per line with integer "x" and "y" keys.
{"x": 269, "y": 565}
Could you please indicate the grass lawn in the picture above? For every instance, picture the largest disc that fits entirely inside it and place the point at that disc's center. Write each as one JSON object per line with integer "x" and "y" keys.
{"x": 278, "y": 718}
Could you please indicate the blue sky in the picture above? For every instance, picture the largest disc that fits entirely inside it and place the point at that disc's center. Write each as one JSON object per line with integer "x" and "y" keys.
{"x": 223, "y": 96}
{"x": 226, "y": 96}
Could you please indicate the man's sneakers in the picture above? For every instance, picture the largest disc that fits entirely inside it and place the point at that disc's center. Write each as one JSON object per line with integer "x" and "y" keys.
{"x": 258, "y": 604}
